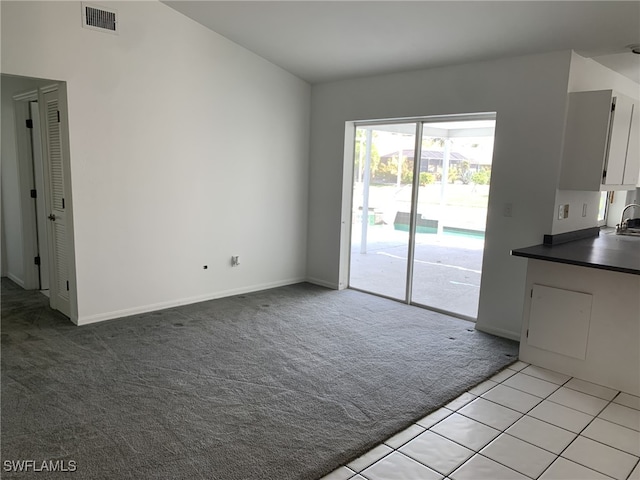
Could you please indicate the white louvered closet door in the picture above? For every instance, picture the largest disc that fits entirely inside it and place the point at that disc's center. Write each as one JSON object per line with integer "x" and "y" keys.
{"x": 55, "y": 181}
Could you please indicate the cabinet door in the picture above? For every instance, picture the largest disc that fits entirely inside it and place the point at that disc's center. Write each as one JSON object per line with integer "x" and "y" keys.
{"x": 559, "y": 321}
{"x": 601, "y": 149}
{"x": 586, "y": 140}
{"x": 618, "y": 141}
{"x": 632, "y": 166}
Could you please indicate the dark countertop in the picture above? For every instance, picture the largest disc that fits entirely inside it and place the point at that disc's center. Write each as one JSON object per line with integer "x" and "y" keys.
{"x": 618, "y": 253}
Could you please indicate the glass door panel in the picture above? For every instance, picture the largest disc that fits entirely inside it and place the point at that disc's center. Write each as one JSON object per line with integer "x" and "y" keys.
{"x": 382, "y": 193}
{"x": 452, "y": 199}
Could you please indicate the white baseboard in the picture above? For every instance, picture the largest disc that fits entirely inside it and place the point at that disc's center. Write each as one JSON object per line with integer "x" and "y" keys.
{"x": 100, "y": 317}
{"x": 499, "y": 332}
{"x": 322, "y": 283}
{"x": 15, "y": 279}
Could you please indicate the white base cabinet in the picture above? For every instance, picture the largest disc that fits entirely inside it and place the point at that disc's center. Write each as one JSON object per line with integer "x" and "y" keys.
{"x": 583, "y": 322}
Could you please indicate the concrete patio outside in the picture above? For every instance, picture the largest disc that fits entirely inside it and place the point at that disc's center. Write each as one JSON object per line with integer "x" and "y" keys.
{"x": 447, "y": 267}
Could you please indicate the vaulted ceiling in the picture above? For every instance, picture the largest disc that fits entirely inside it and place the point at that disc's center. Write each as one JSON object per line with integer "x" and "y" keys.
{"x": 329, "y": 40}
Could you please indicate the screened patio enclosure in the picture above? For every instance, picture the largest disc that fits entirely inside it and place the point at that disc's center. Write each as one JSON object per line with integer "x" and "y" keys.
{"x": 418, "y": 226}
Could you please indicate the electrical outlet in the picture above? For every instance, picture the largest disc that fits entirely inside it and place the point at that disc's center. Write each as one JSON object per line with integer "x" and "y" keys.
{"x": 566, "y": 211}
{"x": 235, "y": 260}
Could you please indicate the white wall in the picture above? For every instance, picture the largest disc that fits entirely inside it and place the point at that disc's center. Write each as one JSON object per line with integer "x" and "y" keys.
{"x": 586, "y": 75}
{"x": 575, "y": 199}
{"x": 528, "y": 94}
{"x": 12, "y": 248}
{"x": 185, "y": 149}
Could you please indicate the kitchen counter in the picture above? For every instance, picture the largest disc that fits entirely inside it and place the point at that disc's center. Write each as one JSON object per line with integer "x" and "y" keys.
{"x": 584, "y": 322}
{"x": 608, "y": 251}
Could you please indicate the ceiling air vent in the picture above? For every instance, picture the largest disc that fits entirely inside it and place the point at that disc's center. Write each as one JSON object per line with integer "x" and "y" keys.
{"x": 99, "y": 18}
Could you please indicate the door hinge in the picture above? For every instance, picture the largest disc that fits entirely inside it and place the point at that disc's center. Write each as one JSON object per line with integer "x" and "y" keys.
{"x": 531, "y": 294}
{"x": 613, "y": 106}
{"x": 527, "y": 333}
{"x": 63, "y": 203}
{"x": 34, "y": 193}
{"x": 29, "y": 123}
{"x": 36, "y": 260}
{"x": 58, "y": 116}
{"x": 67, "y": 285}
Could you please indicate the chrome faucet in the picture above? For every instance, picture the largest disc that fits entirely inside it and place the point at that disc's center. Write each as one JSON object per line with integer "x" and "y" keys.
{"x": 622, "y": 226}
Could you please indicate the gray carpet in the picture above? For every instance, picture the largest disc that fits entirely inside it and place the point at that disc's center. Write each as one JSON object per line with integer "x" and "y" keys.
{"x": 283, "y": 384}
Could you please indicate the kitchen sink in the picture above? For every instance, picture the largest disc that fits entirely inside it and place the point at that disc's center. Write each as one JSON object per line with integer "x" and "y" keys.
{"x": 629, "y": 231}
{"x": 630, "y": 226}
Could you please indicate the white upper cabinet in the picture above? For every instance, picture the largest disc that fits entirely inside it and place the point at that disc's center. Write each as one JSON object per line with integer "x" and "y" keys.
{"x": 632, "y": 172}
{"x": 601, "y": 149}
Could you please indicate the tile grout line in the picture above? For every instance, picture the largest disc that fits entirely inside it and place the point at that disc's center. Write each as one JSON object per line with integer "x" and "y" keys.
{"x": 526, "y": 414}
{"x": 522, "y": 416}
{"x": 560, "y": 385}
{"x": 477, "y": 452}
{"x": 609, "y": 402}
{"x": 578, "y": 436}
{"x": 503, "y": 431}
{"x": 634, "y": 467}
{"x": 435, "y": 433}
{"x": 619, "y": 392}
{"x": 499, "y": 463}
{"x": 359, "y": 472}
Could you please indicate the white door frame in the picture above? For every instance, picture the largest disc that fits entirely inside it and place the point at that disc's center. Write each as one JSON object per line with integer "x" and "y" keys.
{"x": 422, "y": 124}
{"x": 26, "y": 179}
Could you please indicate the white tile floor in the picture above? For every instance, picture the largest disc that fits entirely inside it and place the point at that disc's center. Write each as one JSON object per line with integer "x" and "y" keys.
{"x": 523, "y": 423}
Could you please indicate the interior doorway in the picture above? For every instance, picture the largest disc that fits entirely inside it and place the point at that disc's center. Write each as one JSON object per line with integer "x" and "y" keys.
{"x": 37, "y": 228}
{"x": 419, "y": 208}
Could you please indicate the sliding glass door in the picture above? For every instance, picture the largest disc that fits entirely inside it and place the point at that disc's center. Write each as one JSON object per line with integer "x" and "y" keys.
{"x": 382, "y": 189}
{"x": 419, "y": 210}
{"x": 455, "y": 167}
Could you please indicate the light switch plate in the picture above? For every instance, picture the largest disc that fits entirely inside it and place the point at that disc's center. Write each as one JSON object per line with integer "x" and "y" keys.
{"x": 508, "y": 210}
